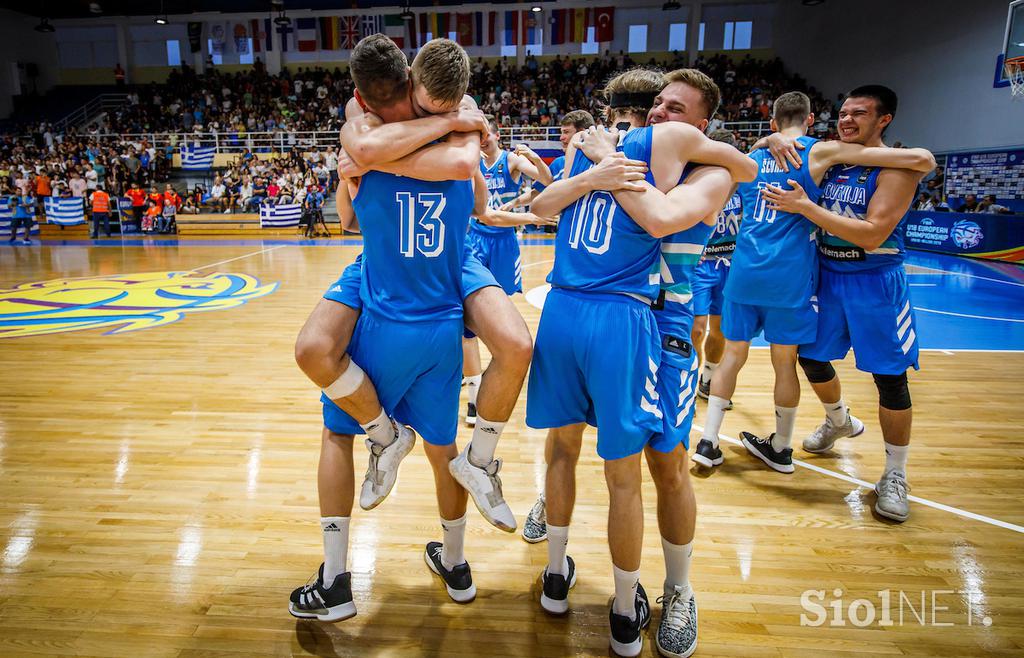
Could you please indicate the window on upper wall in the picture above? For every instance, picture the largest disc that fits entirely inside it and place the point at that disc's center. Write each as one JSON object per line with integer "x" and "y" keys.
{"x": 590, "y": 46}
{"x": 173, "y": 53}
{"x": 700, "y": 39}
{"x": 507, "y": 49}
{"x": 246, "y": 57}
{"x": 215, "y": 54}
{"x": 637, "y": 39}
{"x": 737, "y": 35}
{"x": 677, "y": 36}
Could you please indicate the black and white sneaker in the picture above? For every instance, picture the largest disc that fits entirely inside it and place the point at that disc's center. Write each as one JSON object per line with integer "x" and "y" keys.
{"x": 458, "y": 580}
{"x": 471, "y": 414}
{"x": 535, "y": 528}
{"x": 677, "y": 633}
{"x": 314, "y": 601}
{"x": 626, "y": 638}
{"x": 779, "y": 460}
{"x": 708, "y": 455}
{"x": 555, "y": 597}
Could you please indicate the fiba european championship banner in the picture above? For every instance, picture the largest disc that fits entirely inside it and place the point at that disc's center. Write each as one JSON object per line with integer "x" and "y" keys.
{"x": 979, "y": 235}
{"x": 1000, "y": 173}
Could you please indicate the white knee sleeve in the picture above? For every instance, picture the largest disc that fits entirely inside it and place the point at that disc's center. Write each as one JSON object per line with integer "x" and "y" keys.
{"x": 347, "y": 383}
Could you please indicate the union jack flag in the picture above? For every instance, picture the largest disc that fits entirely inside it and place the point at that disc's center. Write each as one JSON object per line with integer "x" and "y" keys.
{"x": 349, "y": 32}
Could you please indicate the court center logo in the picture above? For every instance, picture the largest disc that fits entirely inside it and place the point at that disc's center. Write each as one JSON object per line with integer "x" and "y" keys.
{"x": 967, "y": 234}
{"x": 121, "y": 303}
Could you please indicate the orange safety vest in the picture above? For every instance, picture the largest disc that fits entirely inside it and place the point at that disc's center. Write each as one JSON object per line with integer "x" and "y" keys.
{"x": 100, "y": 201}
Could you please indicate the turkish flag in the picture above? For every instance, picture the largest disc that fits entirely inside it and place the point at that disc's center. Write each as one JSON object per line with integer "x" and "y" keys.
{"x": 604, "y": 24}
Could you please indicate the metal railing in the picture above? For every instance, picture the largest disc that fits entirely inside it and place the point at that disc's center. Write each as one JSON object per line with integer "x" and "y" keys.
{"x": 518, "y": 134}
{"x": 90, "y": 111}
{"x": 231, "y": 142}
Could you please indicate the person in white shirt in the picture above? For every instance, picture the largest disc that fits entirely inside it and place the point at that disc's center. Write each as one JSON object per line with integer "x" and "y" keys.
{"x": 217, "y": 199}
{"x": 77, "y": 185}
{"x": 91, "y": 178}
{"x": 245, "y": 193}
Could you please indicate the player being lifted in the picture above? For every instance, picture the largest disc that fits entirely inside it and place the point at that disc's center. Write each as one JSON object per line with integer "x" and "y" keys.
{"x": 497, "y": 247}
{"x": 773, "y": 278}
{"x": 863, "y": 297}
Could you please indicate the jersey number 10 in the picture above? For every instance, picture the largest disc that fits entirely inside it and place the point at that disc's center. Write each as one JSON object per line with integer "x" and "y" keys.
{"x": 591, "y": 223}
{"x": 422, "y": 226}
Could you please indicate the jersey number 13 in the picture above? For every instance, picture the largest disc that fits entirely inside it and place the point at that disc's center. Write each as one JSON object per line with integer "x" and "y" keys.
{"x": 422, "y": 226}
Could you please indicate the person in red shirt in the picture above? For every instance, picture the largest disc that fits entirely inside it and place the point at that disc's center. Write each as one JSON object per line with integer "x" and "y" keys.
{"x": 138, "y": 197}
{"x": 155, "y": 197}
{"x": 171, "y": 197}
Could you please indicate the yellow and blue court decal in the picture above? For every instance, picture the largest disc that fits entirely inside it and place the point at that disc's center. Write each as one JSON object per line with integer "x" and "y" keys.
{"x": 121, "y": 303}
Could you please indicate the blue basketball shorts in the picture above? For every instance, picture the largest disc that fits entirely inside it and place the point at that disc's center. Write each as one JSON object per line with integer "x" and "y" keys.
{"x": 595, "y": 361}
{"x": 677, "y": 393}
{"x": 708, "y": 286}
{"x": 346, "y": 289}
{"x": 870, "y": 312}
{"x": 416, "y": 368}
{"x": 499, "y": 253}
{"x": 781, "y": 326}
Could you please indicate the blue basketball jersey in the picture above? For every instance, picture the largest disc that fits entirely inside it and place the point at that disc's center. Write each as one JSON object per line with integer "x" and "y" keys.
{"x": 775, "y": 261}
{"x": 846, "y": 191}
{"x": 598, "y": 247}
{"x": 414, "y": 236}
{"x": 722, "y": 242}
{"x": 501, "y": 188}
{"x": 557, "y": 168}
{"x": 680, "y": 253}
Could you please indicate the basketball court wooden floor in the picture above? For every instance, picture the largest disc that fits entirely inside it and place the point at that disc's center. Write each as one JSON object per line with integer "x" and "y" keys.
{"x": 158, "y": 496}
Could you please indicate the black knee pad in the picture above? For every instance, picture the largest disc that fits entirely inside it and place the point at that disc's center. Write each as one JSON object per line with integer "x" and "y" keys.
{"x": 893, "y": 391}
{"x": 818, "y": 372}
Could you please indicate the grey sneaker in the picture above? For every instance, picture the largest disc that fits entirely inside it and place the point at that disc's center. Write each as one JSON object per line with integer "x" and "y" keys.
{"x": 825, "y": 435}
{"x": 535, "y": 528}
{"x": 892, "y": 496}
{"x": 677, "y": 633}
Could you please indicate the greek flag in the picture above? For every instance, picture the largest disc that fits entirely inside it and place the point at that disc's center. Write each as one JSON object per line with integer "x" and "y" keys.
{"x": 195, "y": 158}
{"x": 65, "y": 211}
{"x": 7, "y": 214}
{"x": 286, "y": 214}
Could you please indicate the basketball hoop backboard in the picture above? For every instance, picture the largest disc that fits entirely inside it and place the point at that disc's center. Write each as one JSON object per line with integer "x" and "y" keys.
{"x": 1013, "y": 44}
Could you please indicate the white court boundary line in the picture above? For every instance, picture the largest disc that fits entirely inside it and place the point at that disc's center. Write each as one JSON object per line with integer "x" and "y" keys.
{"x": 255, "y": 253}
{"x": 967, "y": 315}
{"x": 932, "y": 270}
{"x": 538, "y": 262}
{"x": 867, "y": 485}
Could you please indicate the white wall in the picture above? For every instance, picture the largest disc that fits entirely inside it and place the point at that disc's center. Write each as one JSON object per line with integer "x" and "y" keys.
{"x": 20, "y": 43}
{"x": 938, "y": 55}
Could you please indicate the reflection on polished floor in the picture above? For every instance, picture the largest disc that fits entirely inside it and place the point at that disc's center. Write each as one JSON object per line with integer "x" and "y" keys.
{"x": 158, "y": 491}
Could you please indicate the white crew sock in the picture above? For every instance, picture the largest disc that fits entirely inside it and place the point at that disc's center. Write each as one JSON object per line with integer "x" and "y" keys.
{"x": 485, "y": 439}
{"x": 472, "y": 387}
{"x": 896, "y": 458}
{"x": 335, "y": 532}
{"x": 381, "y": 430}
{"x": 558, "y": 543}
{"x": 625, "y": 592}
{"x": 713, "y": 419}
{"x": 677, "y": 566}
{"x": 836, "y": 412}
{"x": 453, "y": 541}
{"x": 709, "y": 369}
{"x": 785, "y": 418}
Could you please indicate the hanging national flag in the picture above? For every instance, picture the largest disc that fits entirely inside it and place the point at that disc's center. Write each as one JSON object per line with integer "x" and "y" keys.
{"x": 330, "y": 38}
{"x": 394, "y": 27}
{"x": 281, "y": 215}
{"x": 257, "y": 37}
{"x": 349, "y": 32}
{"x": 604, "y": 24}
{"x": 464, "y": 29}
{"x": 66, "y": 211}
{"x": 444, "y": 25}
{"x": 7, "y": 214}
{"x": 558, "y": 26}
{"x": 412, "y": 27}
{"x": 284, "y": 31}
{"x": 511, "y": 28}
{"x": 492, "y": 28}
{"x": 529, "y": 25}
{"x": 268, "y": 34}
{"x": 372, "y": 25}
{"x": 478, "y": 28}
{"x": 579, "y": 21}
{"x": 195, "y": 158}
{"x": 305, "y": 34}
{"x": 241, "y": 36}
